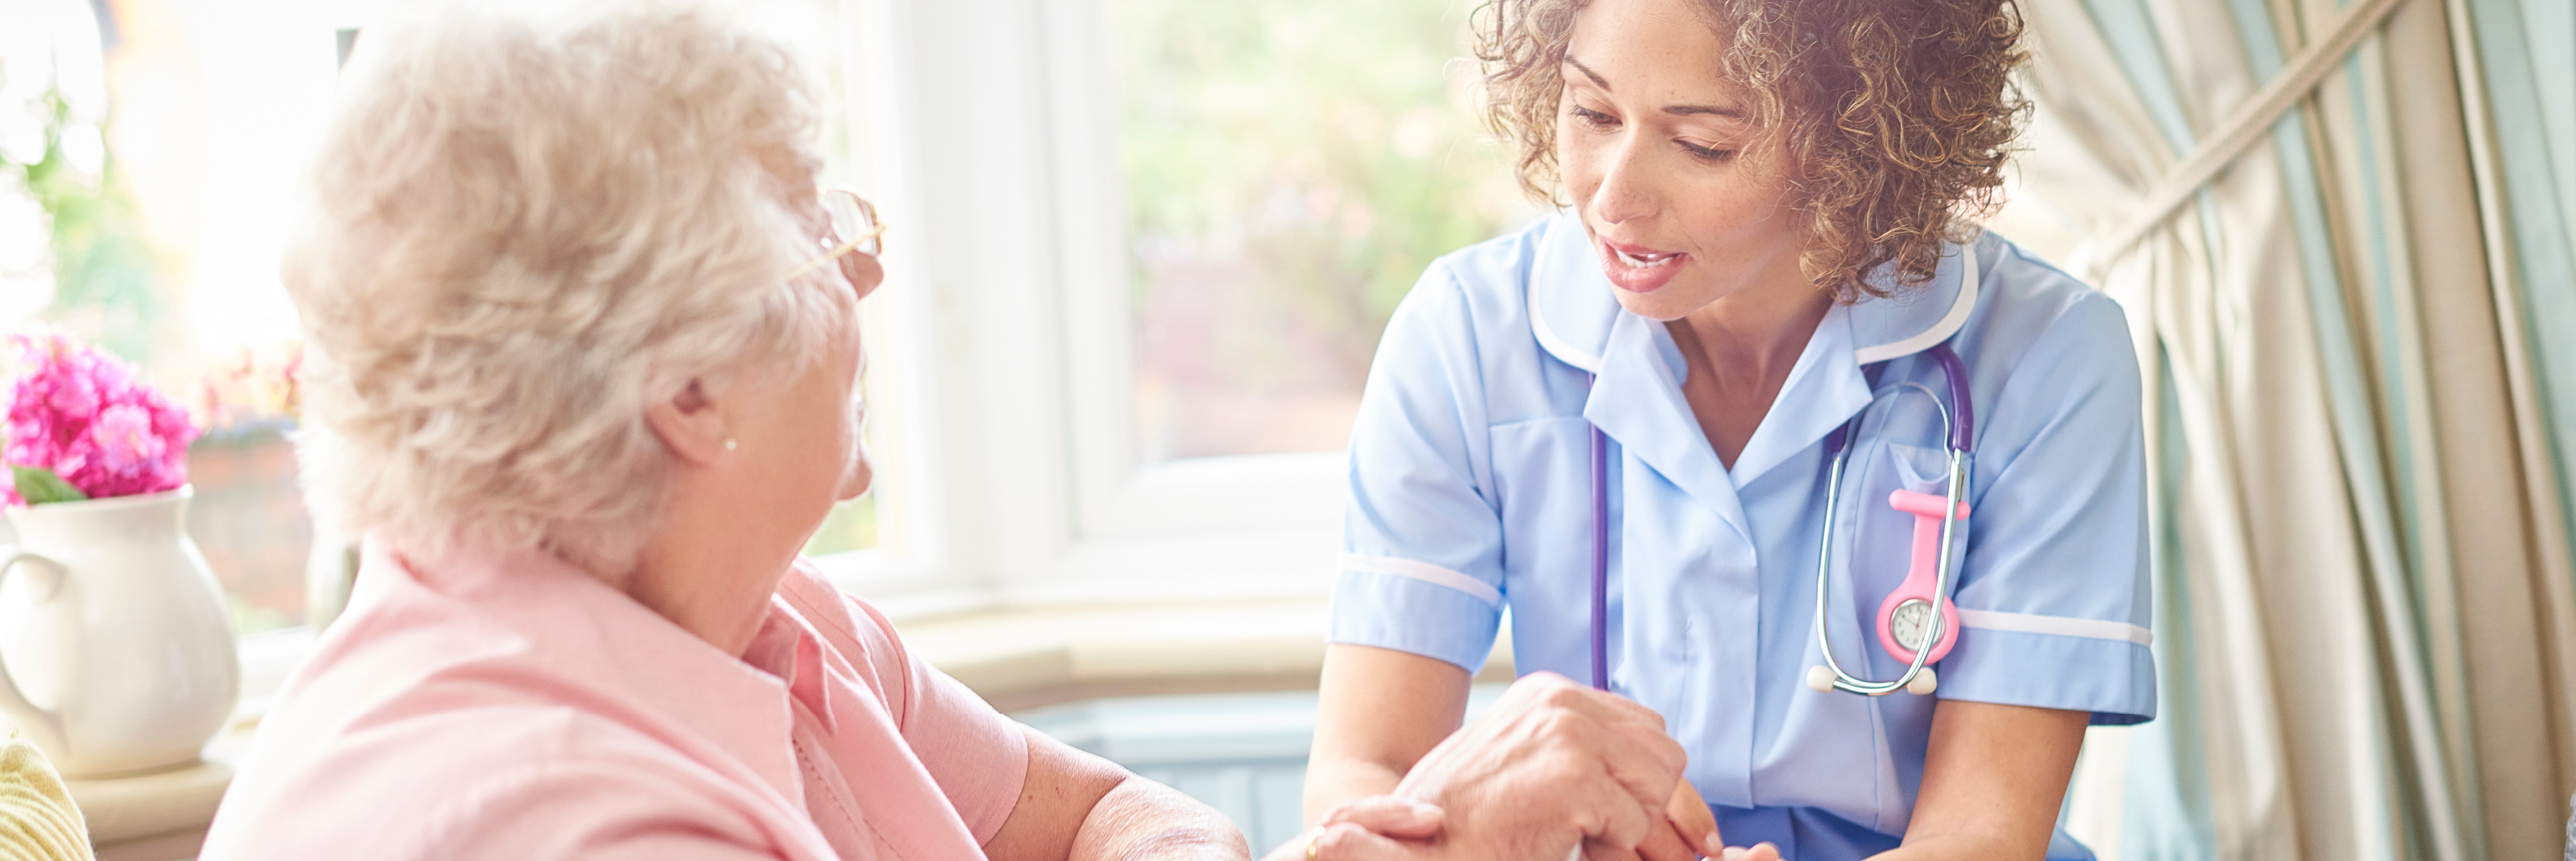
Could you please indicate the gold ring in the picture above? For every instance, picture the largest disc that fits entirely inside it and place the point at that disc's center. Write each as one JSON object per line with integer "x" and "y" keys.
{"x": 1314, "y": 842}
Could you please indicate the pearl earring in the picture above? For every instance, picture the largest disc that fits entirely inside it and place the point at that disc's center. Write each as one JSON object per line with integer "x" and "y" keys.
{"x": 729, "y": 446}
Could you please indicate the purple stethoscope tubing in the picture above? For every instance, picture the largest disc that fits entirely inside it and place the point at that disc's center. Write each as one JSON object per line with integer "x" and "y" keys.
{"x": 1600, "y": 559}
{"x": 1961, "y": 419}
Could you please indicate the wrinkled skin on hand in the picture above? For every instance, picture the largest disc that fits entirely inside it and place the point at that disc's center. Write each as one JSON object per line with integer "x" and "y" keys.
{"x": 1552, "y": 765}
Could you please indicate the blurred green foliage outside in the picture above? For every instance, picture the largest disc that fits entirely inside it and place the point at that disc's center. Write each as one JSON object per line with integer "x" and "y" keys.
{"x": 1291, "y": 166}
{"x": 107, "y": 287}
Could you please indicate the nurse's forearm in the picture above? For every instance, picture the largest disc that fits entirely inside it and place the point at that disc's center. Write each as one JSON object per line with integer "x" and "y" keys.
{"x": 1142, "y": 820}
{"x": 1378, "y": 712}
{"x": 1951, "y": 847}
{"x": 1331, "y": 783}
{"x": 1993, "y": 777}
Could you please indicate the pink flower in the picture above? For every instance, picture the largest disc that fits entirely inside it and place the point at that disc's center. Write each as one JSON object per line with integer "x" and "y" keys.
{"x": 124, "y": 437}
{"x": 82, "y": 414}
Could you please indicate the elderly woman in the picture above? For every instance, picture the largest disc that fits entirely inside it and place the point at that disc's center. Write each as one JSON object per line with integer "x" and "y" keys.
{"x": 584, "y": 373}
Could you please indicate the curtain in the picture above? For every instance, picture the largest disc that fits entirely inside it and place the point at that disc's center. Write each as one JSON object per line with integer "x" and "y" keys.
{"x": 2359, "y": 334}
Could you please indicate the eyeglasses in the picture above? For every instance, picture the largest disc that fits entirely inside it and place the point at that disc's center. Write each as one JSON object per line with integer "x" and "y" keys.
{"x": 854, "y": 227}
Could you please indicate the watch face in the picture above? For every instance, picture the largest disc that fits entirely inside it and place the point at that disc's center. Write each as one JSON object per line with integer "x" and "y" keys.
{"x": 1912, "y": 622}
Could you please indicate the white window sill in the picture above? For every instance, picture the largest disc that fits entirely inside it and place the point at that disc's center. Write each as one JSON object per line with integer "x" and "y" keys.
{"x": 158, "y": 817}
{"x": 1021, "y": 659}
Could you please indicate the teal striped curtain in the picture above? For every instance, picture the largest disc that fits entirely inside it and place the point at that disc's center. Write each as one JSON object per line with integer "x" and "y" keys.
{"x": 2361, "y": 339}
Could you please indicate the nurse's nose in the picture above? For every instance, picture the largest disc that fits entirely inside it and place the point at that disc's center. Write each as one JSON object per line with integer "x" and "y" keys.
{"x": 1629, "y": 187}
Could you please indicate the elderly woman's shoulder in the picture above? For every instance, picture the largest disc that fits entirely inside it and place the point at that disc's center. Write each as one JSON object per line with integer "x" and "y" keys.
{"x": 535, "y": 710}
{"x": 519, "y": 780}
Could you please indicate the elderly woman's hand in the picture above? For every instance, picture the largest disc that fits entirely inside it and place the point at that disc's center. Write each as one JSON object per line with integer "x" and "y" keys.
{"x": 1553, "y": 764}
{"x": 1393, "y": 827}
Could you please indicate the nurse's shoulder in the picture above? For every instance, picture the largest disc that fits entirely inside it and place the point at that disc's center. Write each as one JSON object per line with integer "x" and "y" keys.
{"x": 2030, "y": 310}
{"x": 2049, "y": 354}
{"x": 1507, "y": 312}
{"x": 1485, "y": 285}
{"x": 1464, "y": 332}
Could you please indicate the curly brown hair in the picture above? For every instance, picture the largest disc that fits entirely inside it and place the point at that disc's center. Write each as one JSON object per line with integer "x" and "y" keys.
{"x": 1896, "y": 116}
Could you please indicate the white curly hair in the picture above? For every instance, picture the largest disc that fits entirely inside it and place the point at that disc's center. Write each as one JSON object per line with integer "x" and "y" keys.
{"x": 527, "y": 225}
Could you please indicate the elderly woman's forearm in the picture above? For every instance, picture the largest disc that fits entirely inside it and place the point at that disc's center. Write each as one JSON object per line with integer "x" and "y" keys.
{"x": 1142, "y": 820}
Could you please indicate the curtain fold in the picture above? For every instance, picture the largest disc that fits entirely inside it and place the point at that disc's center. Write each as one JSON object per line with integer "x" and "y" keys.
{"x": 2361, "y": 342}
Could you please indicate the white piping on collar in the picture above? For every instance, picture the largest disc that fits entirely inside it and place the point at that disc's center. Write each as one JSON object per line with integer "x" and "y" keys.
{"x": 1547, "y": 339}
{"x": 1941, "y": 331}
{"x": 1949, "y": 324}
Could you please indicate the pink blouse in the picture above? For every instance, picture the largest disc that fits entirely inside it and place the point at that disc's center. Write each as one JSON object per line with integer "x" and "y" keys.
{"x": 519, "y": 708}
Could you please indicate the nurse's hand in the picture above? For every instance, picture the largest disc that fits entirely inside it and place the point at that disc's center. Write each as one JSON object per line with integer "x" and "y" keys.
{"x": 1689, "y": 832}
{"x": 1553, "y": 765}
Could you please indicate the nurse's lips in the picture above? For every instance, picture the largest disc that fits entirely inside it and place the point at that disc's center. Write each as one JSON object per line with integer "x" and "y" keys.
{"x": 1636, "y": 268}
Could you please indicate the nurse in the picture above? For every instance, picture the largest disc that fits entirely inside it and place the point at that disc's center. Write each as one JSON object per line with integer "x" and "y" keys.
{"x": 1766, "y": 236}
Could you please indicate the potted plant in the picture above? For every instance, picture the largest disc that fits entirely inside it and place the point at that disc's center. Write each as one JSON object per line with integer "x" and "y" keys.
{"x": 116, "y": 653}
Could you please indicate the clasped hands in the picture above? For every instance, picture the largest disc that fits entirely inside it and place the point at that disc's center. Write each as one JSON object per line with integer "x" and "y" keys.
{"x": 1553, "y": 765}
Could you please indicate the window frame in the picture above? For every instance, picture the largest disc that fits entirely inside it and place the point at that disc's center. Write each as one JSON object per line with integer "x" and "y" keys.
{"x": 986, "y": 133}
{"x": 994, "y": 127}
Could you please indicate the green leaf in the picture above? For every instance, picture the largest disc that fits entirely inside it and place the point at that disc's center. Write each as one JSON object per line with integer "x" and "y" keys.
{"x": 40, "y": 485}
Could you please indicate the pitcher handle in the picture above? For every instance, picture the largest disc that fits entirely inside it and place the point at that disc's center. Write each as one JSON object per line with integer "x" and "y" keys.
{"x": 45, "y": 727}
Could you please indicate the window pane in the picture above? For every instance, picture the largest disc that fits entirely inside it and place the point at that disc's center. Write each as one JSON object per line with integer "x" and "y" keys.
{"x": 158, "y": 143}
{"x": 248, "y": 519}
{"x": 1291, "y": 167}
{"x": 150, "y": 154}
{"x": 823, "y": 32}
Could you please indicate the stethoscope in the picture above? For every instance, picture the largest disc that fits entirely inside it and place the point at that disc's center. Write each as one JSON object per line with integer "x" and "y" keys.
{"x": 1916, "y": 612}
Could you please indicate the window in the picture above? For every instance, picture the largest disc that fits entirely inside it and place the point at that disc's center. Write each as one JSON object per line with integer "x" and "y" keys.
{"x": 166, "y": 141}
{"x": 1141, "y": 253}
{"x": 1290, "y": 168}
{"x": 1146, "y": 249}
{"x": 159, "y": 144}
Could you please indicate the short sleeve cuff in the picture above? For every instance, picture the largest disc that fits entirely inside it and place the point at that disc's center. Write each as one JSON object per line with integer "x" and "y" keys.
{"x": 2113, "y": 679}
{"x": 1409, "y": 615}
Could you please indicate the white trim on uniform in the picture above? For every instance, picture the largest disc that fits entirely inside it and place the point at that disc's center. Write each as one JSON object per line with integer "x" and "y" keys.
{"x": 1547, "y": 339}
{"x": 1425, "y": 572}
{"x": 1941, "y": 331}
{"x": 2063, "y": 626}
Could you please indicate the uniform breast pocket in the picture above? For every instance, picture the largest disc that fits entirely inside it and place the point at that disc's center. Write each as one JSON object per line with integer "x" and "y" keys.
{"x": 1922, "y": 469}
{"x": 1543, "y": 484}
{"x": 1879, "y": 543}
{"x": 1543, "y": 489}
{"x": 1902, "y": 444}
{"x": 1877, "y": 470}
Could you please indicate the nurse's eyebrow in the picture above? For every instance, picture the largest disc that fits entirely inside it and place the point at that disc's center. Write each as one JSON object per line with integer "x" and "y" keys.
{"x": 1734, "y": 112}
{"x": 1675, "y": 110}
{"x": 1597, "y": 80}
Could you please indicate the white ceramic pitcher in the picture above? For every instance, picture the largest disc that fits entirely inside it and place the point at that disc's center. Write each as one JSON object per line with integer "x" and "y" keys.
{"x": 116, "y": 652}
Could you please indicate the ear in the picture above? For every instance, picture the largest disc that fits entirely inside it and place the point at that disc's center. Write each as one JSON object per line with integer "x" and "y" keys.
{"x": 692, "y": 424}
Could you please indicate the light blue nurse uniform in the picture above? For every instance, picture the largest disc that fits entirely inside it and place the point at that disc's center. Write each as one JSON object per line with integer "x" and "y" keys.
{"x": 1470, "y": 495}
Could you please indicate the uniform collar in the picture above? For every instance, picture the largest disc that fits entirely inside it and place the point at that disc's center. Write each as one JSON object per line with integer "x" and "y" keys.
{"x": 1637, "y": 399}
{"x": 1571, "y": 306}
{"x": 1572, "y": 309}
